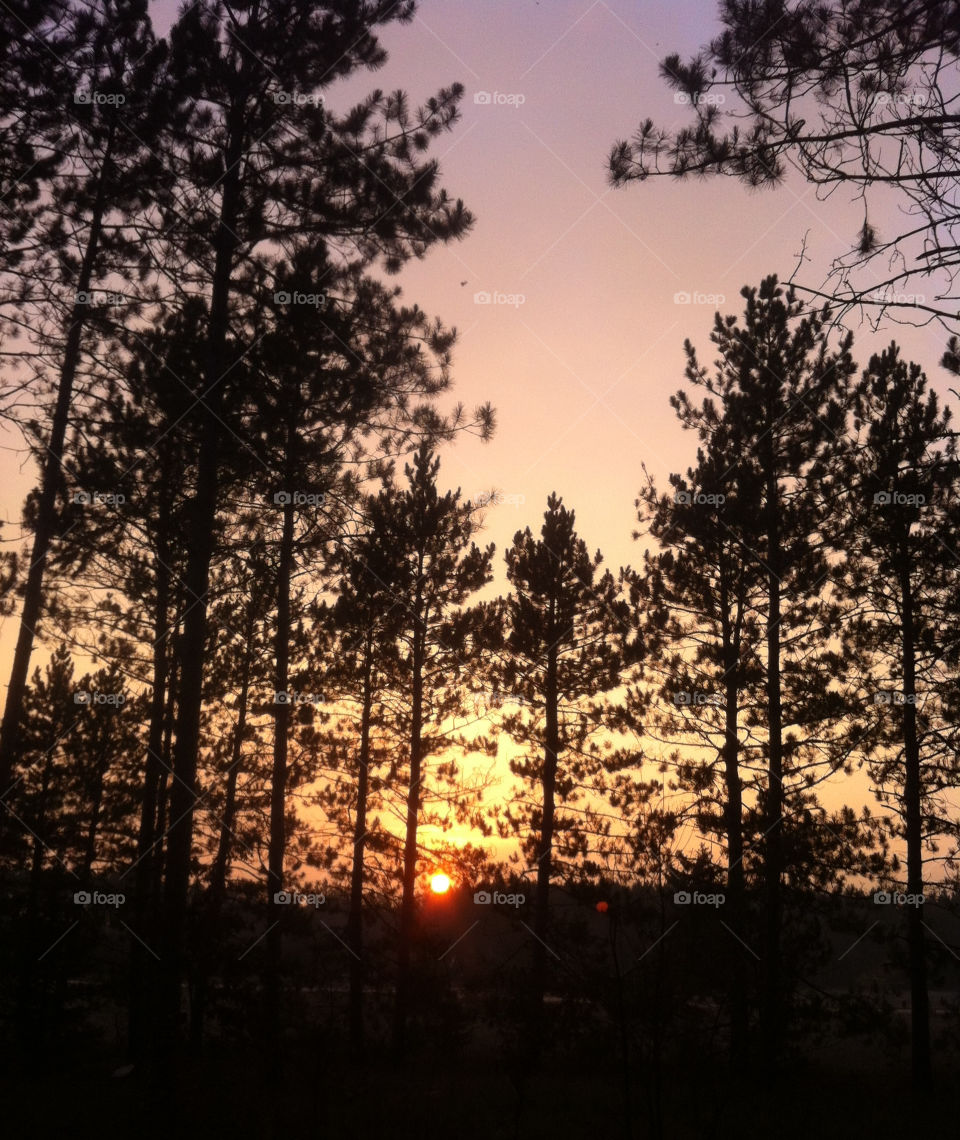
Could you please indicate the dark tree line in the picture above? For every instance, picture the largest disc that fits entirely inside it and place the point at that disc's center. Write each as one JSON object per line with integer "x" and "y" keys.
{"x": 296, "y": 679}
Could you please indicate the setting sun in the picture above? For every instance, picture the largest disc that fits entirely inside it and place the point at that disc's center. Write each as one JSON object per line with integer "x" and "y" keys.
{"x": 440, "y": 884}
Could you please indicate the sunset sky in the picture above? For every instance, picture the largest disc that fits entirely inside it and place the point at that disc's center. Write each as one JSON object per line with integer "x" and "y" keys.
{"x": 580, "y": 372}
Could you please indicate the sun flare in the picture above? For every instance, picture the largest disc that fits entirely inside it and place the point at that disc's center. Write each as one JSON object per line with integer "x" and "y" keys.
{"x": 440, "y": 884}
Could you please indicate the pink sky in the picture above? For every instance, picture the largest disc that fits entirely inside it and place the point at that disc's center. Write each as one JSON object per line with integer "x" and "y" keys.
{"x": 580, "y": 372}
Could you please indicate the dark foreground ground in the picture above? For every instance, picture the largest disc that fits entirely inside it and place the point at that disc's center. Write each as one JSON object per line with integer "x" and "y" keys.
{"x": 226, "y": 1096}
{"x": 467, "y": 1073}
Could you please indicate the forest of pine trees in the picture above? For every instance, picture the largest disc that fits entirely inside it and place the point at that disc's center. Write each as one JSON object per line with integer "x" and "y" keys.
{"x": 266, "y": 672}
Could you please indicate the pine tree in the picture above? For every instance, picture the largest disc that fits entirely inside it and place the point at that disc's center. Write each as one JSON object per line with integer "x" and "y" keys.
{"x": 569, "y": 639}
{"x": 884, "y": 74}
{"x": 698, "y": 593}
{"x": 364, "y": 665}
{"x": 439, "y": 568}
{"x": 901, "y": 576}
{"x": 785, "y": 396}
{"x": 110, "y": 68}
{"x": 259, "y": 159}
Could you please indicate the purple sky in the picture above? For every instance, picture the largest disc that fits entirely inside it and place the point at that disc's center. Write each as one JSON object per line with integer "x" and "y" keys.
{"x": 580, "y": 371}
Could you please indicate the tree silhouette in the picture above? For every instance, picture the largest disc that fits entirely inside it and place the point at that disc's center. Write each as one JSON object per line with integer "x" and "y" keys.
{"x": 903, "y": 485}
{"x": 439, "y": 569}
{"x": 699, "y": 593}
{"x": 111, "y": 59}
{"x": 353, "y": 181}
{"x": 568, "y": 640}
{"x": 361, "y": 631}
{"x": 785, "y": 396}
{"x": 852, "y": 95}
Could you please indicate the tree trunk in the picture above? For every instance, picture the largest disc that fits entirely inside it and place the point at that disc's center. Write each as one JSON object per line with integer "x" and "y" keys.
{"x": 733, "y": 820}
{"x": 142, "y": 975}
{"x": 221, "y": 863}
{"x": 183, "y": 792}
{"x": 278, "y": 796}
{"x": 408, "y": 903}
{"x": 773, "y": 854}
{"x": 29, "y": 1018}
{"x": 913, "y": 818}
{"x": 93, "y": 826}
{"x": 736, "y": 894}
{"x": 160, "y": 828}
{"x": 51, "y": 481}
{"x": 545, "y": 858}
{"x": 355, "y": 920}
